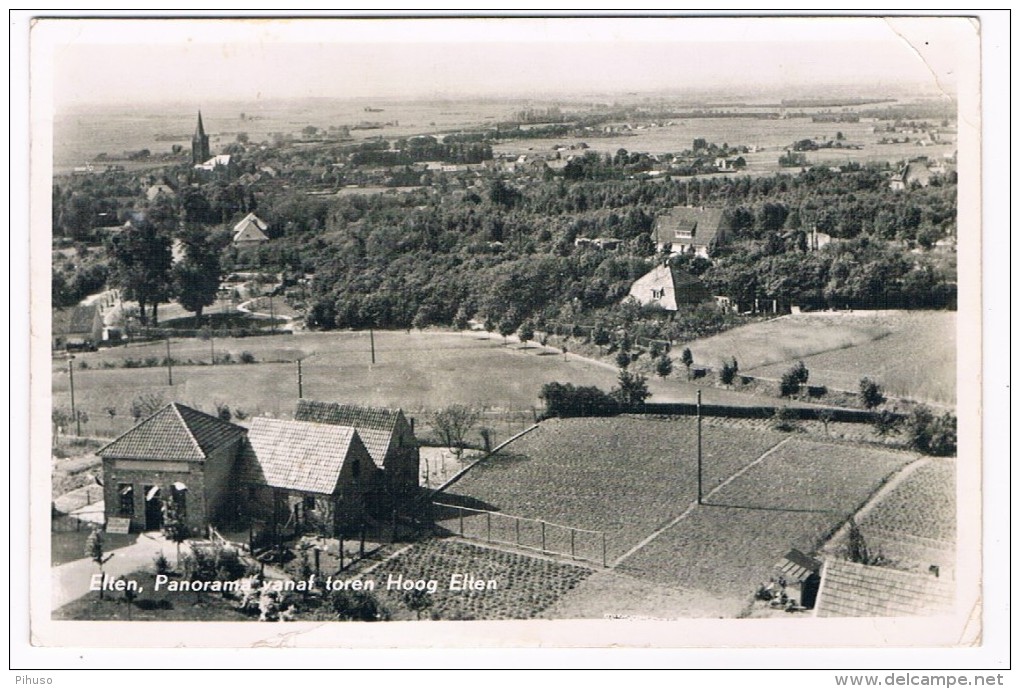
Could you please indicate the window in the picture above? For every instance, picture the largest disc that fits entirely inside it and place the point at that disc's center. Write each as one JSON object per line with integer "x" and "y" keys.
{"x": 126, "y": 497}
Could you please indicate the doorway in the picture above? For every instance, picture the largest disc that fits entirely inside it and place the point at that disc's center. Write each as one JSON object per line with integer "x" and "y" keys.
{"x": 153, "y": 509}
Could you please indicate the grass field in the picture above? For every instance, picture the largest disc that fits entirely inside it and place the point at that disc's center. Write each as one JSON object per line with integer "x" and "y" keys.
{"x": 915, "y": 359}
{"x": 911, "y": 353}
{"x": 632, "y": 477}
{"x": 416, "y": 371}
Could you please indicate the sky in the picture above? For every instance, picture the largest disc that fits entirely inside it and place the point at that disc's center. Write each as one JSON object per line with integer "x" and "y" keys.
{"x": 119, "y": 60}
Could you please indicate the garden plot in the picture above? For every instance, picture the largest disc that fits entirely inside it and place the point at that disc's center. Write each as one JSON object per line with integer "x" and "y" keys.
{"x": 524, "y": 586}
{"x": 623, "y": 476}
{"x": 794, "y": 498}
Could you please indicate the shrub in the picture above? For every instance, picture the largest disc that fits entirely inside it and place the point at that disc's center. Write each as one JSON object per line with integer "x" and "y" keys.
{"x": 870, "y": 393}
{"x": 247, "y": 357}
{"x": 146, "y": 404}
{"x": 663, "y": 366}
{"x": 930, "y": 434}
{"x": 223, "y": 411}
{"x": 161, "y": 563}
{"x": 784, "y": 419}
{"x": 240, "y": 414}
{"x": 792, "y": 380}
{"x": 566, "y": 400}
{"x": 359, "y": 606}
{"x": 151, "y": 361}
{"x": 631, "y": 389}
{"x": 885, "y": 422}
{"x": 622, "y": 359}
{"x": 728, "y": 372}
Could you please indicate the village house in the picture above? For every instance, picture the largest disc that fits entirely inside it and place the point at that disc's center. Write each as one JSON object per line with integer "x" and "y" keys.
{"x": 332, "y": 467}
{"x": 250, "y": 231}
{"x": 916, "y": 171}
{"x": 311, "y": 473}
{"x": 178, "y": 452}
{"x": 668, "y": 288}
{"x": 689, "y": 230}
{"x": 78, "y": 328}
{"x": 387, "y": 433}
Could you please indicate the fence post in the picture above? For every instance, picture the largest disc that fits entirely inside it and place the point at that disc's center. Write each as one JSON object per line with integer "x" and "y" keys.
{"x": 460, "y": 513}
{"x": 543, "y": 535}
{"x": 488, "y": 526}
{"x": 517, "y": 530}
{"x": 604, "y": 549}
{"x": 572, "y": 532}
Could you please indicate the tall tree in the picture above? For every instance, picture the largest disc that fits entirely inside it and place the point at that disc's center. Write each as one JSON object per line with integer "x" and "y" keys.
{"x": 141, "y": 261}
{"x": 197, "y": 275}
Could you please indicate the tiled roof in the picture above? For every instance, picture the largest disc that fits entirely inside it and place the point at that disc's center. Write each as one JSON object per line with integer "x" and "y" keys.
{"x": 82, "y": 319}
{"x": 297, "y": 455}
{"x": 375, "y": 425}
{"x": 796, "y": 566}
{"x": 853, "y": 590}
{"x": 702, "y": 223}
{"x": 176, "y": 433}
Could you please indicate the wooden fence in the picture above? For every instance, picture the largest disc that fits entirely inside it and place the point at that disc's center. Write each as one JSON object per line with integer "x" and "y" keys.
{"x": 522, "y": 532}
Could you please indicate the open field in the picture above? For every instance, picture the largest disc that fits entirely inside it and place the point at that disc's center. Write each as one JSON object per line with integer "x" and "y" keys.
{"x": 416, "y": 371}
{"x": 910, "y": 353}
{"x": 633, "y": 478}
{"x": 916, "y": 358}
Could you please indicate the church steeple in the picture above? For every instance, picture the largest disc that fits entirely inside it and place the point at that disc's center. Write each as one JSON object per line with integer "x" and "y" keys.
{"x": 199, "y": 144}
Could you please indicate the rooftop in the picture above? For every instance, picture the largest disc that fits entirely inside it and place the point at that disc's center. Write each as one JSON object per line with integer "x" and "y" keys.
{"x": 174, "y": 433}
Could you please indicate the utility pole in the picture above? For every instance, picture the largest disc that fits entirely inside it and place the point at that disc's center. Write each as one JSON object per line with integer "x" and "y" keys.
{"x": 74, "y": 410}
{"x": 300, "y": 389}
{"x": 699, "y": 447}
{"x": 212, "y": 345}
{"x": 272, "y": 315}
{"x": 169, "y": 364}
{"x": 371, "y": 339}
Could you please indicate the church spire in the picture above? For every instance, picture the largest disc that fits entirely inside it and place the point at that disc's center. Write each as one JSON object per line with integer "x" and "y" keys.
{"x": 199, "y": 143}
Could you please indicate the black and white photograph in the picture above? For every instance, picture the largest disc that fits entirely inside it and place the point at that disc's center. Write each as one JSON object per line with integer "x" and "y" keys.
{"x": 455, "y": 331}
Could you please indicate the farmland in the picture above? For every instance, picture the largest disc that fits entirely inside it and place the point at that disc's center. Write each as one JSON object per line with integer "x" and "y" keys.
{"x": 931, "y": 486}
{"x": 525, "y": 586}
{"x": 634, "y": 477}
{"x": 910, "y": 353}
{"x": 641, "y": 471}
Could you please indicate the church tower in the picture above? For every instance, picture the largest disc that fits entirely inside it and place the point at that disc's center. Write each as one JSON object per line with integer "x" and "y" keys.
{"x": 199, "y": 144}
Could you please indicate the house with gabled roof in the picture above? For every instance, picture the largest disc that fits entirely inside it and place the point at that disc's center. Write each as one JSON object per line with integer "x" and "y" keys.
{"x": 177, "y": 452}
{"x": 310, "y": 472}
{"x": 337, "y": 465}
{"x": 668, "y": 288}
{"x": 692, "y": 230}
{"x": 387, "y": 434}
{"x": 251, "y": 230}
{"x": 80, "y": 327}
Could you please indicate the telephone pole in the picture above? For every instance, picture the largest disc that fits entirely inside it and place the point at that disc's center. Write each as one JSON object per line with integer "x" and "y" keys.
{"x": 74, "y": 410}
{"x": 371, "y": 339}
{"x": 169, "y": 364}
{"x": 699, "y": 447}
{"x": 300, "y": 389}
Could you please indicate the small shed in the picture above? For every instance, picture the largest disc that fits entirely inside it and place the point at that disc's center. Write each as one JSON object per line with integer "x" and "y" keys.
{"x": 79, "y": 328}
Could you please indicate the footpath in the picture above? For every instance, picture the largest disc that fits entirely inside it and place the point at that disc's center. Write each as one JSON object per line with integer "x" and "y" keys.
{"x": 70, "y": 581}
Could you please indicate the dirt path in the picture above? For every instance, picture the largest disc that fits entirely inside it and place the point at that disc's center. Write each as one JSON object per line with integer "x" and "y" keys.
{"x": 71, "y": 581}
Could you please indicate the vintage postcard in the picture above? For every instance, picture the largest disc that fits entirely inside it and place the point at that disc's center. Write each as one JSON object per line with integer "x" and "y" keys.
{"x": 506, "y": 332}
